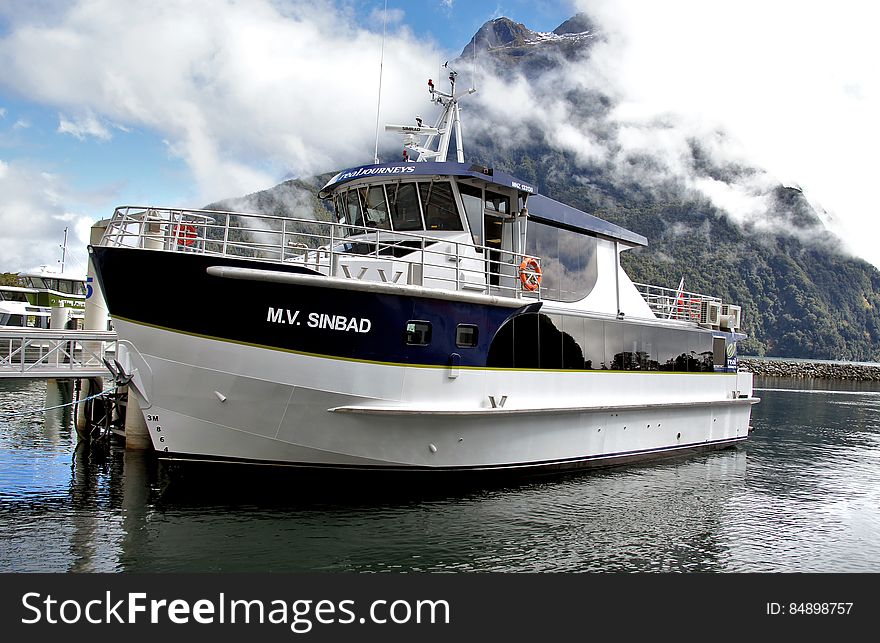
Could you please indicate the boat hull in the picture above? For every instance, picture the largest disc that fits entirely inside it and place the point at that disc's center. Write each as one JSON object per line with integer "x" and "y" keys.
{"x": 270, "y": 382}
{"x": 251, "y": 404}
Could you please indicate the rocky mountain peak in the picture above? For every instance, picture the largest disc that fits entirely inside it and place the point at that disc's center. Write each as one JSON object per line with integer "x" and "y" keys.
{"x": 499, "y": 33}
{"x": 581, "y": 23}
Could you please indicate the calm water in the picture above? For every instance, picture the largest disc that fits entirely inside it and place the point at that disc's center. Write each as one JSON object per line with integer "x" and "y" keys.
{"x": 802, "y": 496}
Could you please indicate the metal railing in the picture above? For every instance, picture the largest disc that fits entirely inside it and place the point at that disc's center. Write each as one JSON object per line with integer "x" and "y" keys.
{"x": 37, "y": 352}
{"x": 333, "y": 249}
{"x": 669, "y": 303}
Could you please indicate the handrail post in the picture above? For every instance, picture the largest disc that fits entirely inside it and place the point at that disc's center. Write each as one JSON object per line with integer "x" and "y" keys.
{"x": 457, "y": 287}
{"x": 226, "y": 235}
{"x": 331, "y": 257}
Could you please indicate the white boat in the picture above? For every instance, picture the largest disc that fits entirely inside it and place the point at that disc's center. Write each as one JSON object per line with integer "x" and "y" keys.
{"x": 449, "y": 318}
{"x": 30, "y": 305}
{"x": 17, "y": 311}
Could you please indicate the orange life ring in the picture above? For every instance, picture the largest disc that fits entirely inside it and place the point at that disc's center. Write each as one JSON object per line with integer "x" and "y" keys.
{"x": 184, "y": 233}
{"x": 530, "y": 273}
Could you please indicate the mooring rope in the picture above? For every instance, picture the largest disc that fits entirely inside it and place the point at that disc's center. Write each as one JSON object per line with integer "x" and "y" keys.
{"x": 59, "y": 406}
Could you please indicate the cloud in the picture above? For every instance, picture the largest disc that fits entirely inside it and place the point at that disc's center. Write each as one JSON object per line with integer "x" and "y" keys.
{"x": 381, "y": 17}
{"x": 247, "y": 92}
{"x": 793, "y": 85}
{"x": 81, "y": 127}
{"x": 726, "y": 103}
{"x": 243, "y": 92}
{"x": 35, "y": 208}
{"x": 2, "y": 112}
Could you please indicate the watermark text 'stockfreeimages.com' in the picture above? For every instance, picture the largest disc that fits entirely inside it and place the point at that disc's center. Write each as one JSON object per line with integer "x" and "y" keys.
{"x": 299, "y": 615}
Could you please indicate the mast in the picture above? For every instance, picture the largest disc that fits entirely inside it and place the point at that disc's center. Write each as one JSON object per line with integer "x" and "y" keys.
{"x": 448, "y": 122}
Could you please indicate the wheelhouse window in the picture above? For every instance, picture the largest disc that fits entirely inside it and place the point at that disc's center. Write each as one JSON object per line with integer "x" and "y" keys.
{"x": 472, "y": 198}
{"x": 375, "y": 207}
{"x": 348, "y": 209}
{"x": 439, "y": 206}
{"x": 403, "y": 206}
{"x": 497, "y": 203}
{"x": 405, "y": 211}
{"x": 466, "y": 335}
{"x": 418, "y": 333}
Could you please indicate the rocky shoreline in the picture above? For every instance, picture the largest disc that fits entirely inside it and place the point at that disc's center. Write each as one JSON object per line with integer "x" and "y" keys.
{"x": 810, "y": 370}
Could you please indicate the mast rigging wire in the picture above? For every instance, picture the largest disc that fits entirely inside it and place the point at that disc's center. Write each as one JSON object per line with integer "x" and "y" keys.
{"x": 379, "y": 99}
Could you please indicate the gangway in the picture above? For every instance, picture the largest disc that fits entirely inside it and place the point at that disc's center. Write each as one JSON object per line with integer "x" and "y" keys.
{"x": 42, "y": 353}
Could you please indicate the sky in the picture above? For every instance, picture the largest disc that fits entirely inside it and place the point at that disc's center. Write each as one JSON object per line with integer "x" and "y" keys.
{"x": 185, "y": 102}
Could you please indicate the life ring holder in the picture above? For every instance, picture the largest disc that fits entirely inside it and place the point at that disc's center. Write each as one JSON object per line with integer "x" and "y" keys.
{"x": 530, "y": 274}
{"x": 184, "y": 234}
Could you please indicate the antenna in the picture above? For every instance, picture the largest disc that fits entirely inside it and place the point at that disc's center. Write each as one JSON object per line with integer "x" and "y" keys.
{"x": 379, "y": 99}
{"x": 474, "y": 72}
{"x": 449, "y": 121}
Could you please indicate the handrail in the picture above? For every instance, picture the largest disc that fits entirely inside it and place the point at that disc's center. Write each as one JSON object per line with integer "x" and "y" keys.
{"x": 435, "y": 259}
{"x": 38, "y": 352}
{"x": 670, "y": 303}
{"x": 425, "y": 258}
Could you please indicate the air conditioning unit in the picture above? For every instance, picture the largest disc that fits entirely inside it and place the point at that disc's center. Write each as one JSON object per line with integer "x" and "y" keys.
{"x": 734, "y": 314}
{"x": 710, "y": 313}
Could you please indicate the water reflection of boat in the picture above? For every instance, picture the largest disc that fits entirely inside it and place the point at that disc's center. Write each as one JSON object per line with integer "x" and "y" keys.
{"x": 449, "y": 318}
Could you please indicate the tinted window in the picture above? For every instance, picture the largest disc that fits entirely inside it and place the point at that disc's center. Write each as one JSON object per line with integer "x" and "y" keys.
{"x": 352, "y": 201}
{"x": 466, "y": 336}
{"x": 719, "y": 347}
{"x": 497, "y": 203}
{"x": 439, "y": 205}
{"x": 404, "y": 205}
{"x": 568, "y": 261}
{"x": 418, "y": 333}
{"x": 540, "y": 341}
{"x": 473, "y": 207}
{"x": 375, "y": 208}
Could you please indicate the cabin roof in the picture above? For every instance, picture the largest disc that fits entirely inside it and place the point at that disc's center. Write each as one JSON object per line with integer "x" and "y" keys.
{"x": 545, "y": 209}
{"x": 402, "y": 169}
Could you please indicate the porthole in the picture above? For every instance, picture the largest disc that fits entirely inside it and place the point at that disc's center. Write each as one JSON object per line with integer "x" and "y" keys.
{"x": 418, "y": 333}
{"x": 466, "y": 336}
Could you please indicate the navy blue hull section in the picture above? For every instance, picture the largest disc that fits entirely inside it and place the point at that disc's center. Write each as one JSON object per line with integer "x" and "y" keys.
{"x": 174, "y": 291}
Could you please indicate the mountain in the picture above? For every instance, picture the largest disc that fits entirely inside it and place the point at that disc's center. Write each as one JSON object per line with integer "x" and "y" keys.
{"x": 801, "y": 295}
{"x": 530, "y": 52}
{"x": 579, "y": 24}
{"x": 500, "y": 32}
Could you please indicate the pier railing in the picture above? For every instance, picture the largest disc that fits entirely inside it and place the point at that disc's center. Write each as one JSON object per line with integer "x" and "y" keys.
{"x": 37, "y": 352}
{"x": 437, "y": 259}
